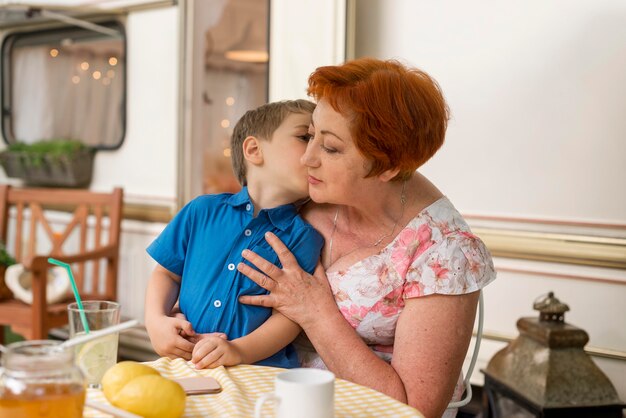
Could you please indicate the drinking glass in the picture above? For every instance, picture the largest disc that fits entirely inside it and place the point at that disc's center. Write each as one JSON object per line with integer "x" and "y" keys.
{"x": 95, "y": 357}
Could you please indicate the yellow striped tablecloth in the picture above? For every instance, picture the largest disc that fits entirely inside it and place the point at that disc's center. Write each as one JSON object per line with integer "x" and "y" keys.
{"x": 242, "y": 385}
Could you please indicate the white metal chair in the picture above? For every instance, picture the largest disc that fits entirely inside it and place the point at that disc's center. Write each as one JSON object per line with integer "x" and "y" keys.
{"x": 466, "y": 381}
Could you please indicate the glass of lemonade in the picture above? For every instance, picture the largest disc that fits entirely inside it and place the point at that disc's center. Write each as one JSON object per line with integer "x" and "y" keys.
{"x": 95, "y": 357}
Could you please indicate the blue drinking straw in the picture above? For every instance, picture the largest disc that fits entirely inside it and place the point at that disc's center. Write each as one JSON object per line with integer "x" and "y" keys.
{"x": 81, "y": 310}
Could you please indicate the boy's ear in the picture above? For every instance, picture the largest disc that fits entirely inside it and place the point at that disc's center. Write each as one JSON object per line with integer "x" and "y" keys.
{"x": 387, "y": 175}
{"x": 252, "y": 150}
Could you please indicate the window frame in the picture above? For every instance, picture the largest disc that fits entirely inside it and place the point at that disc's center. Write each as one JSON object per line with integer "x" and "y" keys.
{"x": 6, "y": 77}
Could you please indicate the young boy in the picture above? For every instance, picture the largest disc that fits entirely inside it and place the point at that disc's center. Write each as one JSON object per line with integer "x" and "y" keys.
{"x": 199, "y": 250}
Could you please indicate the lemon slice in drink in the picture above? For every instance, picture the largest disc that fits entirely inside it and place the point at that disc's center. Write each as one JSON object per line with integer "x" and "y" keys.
{"x": 95, "y": 357}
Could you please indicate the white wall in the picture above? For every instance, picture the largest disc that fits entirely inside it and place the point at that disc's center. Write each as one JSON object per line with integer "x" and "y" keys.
{"x": 146, "y": 162}
{"x": 537, "y": 92}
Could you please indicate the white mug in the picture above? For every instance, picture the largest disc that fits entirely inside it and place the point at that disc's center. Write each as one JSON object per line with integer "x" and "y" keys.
{"x": 301, "y": 393}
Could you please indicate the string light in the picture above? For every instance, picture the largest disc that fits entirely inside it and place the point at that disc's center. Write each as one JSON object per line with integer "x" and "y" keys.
{"x": 76, "y": 79}
{"x": 96, "y": 75}
{"x": 110, "y": 73}
{"x": 112, "y": 61}
{"x": 84, "y": 65}
{"x": 230, "y": 101}
{"x": 54, "y": 52}
{"x": 226, "y": 152}
{"x": 225, "y": 123}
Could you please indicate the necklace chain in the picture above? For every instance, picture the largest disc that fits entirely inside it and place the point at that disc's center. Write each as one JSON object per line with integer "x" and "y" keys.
{"x": 375, "y": 243}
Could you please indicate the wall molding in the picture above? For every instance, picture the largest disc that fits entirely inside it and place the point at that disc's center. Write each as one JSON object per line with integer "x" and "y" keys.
{"x": 148, "y": 212}
{"x": 582, "y": 249}
{"x": 545, "y": 221}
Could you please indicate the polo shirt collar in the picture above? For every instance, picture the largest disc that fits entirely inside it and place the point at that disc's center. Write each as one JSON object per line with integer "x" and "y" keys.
{"x": 280, "y": 216}
{"x": 239, "y": 199}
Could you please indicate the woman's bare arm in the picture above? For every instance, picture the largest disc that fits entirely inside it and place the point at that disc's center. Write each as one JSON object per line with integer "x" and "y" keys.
{"x": 432, "y": 333}
{"x": 432, "y": 336}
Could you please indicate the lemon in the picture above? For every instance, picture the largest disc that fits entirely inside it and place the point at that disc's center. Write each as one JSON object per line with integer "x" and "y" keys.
{"x": 119, "y": 375}
{"x": 151, "y": 396}
{"x": 94, "y": 357}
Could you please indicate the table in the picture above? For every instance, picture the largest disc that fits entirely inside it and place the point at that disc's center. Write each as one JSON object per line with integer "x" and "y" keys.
{"x": 243, "y": 384}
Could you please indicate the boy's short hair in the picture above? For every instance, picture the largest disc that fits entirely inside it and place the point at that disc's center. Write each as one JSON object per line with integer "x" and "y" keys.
{"x": 261, "y": 123}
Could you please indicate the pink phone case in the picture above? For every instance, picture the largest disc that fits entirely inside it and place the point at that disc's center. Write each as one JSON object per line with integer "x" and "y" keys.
{"x": 199, "y": 385}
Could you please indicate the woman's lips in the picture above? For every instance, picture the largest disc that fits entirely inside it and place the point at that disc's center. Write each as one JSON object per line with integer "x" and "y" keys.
{"x": 313, "y": 180}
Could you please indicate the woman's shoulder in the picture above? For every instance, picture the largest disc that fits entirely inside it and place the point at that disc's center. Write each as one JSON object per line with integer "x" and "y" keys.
{"x": 439, "y": 231}
{"x": 441, "y": 216}
{"x": 447, "y": 257}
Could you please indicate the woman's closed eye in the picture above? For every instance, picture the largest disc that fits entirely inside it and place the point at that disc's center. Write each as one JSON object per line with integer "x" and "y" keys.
{"x": 328, "y": 150}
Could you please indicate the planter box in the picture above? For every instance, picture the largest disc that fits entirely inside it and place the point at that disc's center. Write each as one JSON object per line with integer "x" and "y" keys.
{"x": 52, "y": 171}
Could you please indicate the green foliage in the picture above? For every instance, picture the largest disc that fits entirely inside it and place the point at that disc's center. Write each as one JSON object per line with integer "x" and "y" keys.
{"x": 5, "y": 257}
{"x": 53, "y": 150}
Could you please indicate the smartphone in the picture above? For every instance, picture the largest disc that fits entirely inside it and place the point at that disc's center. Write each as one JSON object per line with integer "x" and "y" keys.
{"x": 199, "y": 385}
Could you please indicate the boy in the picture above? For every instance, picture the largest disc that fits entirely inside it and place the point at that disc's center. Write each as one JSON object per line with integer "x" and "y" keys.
{"x": 199, "y": 250}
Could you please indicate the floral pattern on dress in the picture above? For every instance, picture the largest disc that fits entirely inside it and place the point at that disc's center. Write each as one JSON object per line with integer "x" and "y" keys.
{"x": 435, "y": 253}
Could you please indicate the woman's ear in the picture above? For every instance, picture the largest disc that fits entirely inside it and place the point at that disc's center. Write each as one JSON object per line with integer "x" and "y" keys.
{"x": 388, "y": 175}
{"x": 252, "y": 150}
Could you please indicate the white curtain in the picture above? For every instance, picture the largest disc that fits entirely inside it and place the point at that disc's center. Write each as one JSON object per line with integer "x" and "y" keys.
{"x": 54, "y": 97}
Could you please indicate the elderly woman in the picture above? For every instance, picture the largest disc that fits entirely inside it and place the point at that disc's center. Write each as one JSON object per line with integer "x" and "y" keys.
{"x": 392, "y": 303}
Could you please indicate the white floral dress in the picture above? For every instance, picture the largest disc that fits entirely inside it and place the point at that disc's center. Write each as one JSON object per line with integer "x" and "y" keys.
{"x": 435, "y": 253}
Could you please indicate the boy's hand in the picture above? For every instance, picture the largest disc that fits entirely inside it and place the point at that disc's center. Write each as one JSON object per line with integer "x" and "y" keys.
{"x": 214, "y": 350}
{"x": 171, "y": 337}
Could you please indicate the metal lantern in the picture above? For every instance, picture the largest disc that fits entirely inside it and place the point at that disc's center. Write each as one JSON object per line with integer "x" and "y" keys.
{"x": 546, "y": 373}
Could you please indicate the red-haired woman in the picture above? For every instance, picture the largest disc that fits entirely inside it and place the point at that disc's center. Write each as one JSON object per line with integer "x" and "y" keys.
{"x": 403, "y": 266}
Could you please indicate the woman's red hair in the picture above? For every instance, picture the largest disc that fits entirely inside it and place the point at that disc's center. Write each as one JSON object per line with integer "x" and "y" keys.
{"x": 398, "y": 114}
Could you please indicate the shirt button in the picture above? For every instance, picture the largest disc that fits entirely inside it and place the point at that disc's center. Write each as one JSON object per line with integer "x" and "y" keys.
{"x": 217, "y": 303}
{"x": 248, "y": 206}
{"x": 247, "y": 232}
{"x": 231, "y": 267}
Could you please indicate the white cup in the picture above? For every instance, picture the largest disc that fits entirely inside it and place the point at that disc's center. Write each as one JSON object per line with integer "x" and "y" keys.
{"x": 301, "y": 393}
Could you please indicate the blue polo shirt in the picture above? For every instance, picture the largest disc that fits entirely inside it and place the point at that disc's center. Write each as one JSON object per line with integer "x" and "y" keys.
{"x": 203, "y": 244}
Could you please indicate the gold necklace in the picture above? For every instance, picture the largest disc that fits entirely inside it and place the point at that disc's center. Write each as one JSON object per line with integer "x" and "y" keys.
{"x": 375, "y": 243}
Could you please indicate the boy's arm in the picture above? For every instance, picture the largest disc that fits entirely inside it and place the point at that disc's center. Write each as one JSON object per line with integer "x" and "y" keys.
{"x": 164, "y": 330}
{"x": 275, "y": 333}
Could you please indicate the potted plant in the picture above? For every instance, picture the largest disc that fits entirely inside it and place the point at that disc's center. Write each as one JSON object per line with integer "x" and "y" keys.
{"x": 5, "y": 261}
{"x": 59, "y": 162}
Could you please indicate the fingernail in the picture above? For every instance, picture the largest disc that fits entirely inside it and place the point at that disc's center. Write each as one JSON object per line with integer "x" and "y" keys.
{"x": 268, "y": 234}
{"x": 245, "y": 252}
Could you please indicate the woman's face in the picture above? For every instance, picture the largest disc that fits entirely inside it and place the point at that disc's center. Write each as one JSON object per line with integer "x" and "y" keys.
{"x": 336, "y": 168}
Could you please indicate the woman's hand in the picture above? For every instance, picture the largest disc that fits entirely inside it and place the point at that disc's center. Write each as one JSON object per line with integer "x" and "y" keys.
{"x": 298, "y": 295}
